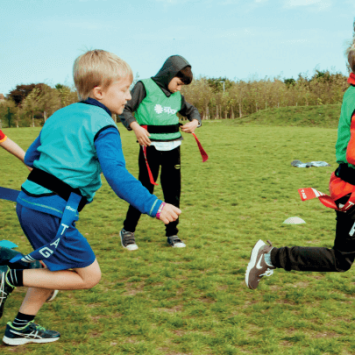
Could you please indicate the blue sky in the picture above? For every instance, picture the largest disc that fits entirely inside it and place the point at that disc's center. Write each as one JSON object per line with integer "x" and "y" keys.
{"x": 238, "y": 39}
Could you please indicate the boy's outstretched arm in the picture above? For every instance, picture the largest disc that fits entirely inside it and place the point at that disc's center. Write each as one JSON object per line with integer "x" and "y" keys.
{"x": 125, "y": 185}
{"x": 12, "y": 148}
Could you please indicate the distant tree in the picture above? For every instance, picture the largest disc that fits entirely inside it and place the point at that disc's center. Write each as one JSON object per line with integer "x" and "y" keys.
{"x": 59, "y": 86}
{"x": 8, "y": 112}
{"x": 22, "y": 91}
{"x": 290, "y": 82}
{"x": 66, "y": 95}
{"x": 217, "y": 84}
{"x": 321, "y": 75}
{"x": 9, "y": 116}
{"x": 31, "y": 104}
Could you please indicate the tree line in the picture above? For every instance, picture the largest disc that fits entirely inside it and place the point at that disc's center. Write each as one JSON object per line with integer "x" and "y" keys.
{"x": 221, "y": 98}
{"x": 30, "y": 105}
{"x": 215, "y": 98}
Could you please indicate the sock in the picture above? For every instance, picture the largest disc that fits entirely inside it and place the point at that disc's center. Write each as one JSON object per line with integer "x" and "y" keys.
{"x": 14, "y": 277}
{"x": 267, "y": 258}
{"x": 22, "y": 320}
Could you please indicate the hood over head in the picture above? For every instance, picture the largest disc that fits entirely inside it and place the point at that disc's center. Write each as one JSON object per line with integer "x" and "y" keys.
{"x": 168, "y": 71}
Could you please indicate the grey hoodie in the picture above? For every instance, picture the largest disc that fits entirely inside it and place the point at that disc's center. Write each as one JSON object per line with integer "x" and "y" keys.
{"x": 167, "y": 72}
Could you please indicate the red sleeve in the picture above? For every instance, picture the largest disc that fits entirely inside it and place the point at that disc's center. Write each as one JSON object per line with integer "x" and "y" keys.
{"x": 350, "y": 150}
{"x": 2, "y": 136}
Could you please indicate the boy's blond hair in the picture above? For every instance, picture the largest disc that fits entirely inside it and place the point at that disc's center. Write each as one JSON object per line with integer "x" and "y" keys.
{"x": 98, "y": 68}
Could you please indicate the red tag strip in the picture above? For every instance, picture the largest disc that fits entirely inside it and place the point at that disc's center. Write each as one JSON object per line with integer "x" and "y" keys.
{"x": 148, "y": 168}
{"x": 146, "y": 162}
{"x": 309, "y": 193}
{"x": 202, "y": 151}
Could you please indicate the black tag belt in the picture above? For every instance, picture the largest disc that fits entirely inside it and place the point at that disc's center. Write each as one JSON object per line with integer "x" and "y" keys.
{"x": 346, "y": 173}
{"x": 164, "y": 128}
{"x": 56, "y": 185}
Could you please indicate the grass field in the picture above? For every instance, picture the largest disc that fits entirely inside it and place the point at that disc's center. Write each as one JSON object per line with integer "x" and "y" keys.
{"x": 159, "y": 300}
{"x": 325, "y": 116}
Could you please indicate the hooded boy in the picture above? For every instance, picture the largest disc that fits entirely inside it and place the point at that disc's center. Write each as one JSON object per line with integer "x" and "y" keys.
{"x": 156, "y": 101}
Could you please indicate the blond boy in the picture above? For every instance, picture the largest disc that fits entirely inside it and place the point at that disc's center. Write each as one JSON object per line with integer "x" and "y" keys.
{"x": 76, "y": 144}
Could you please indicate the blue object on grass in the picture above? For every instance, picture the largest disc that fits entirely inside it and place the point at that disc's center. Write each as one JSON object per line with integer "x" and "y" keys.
{"x": 11, "y": 195}
{"x": 7, "y": 244}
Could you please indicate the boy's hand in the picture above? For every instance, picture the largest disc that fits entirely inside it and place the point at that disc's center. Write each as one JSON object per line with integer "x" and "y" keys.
{"x": 190, "y": 127}
{"x": 169, "y": 213}
{"x": 141, "y": 134}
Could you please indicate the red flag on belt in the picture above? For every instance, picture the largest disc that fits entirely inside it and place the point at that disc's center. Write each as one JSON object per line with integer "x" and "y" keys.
{"x": 310, "y": 193}
{"x": 202, "y": 151}
{"x": 151, "y": 179}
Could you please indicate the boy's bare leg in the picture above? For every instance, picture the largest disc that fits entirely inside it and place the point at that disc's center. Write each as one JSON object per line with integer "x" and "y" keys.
{"x": 34, "y": 300}
{"x": 76, "y": 279}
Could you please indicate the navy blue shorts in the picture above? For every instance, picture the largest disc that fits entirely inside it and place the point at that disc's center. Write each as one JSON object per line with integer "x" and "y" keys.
{"x": 40, "y": 228}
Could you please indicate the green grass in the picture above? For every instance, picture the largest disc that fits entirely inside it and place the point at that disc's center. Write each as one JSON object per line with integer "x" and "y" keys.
{"x": 326, "y": 116}
{"x": 159, "y": 300}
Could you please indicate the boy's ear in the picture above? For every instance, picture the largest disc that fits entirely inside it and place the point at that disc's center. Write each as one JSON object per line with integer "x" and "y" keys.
{"x": 97, "y": 93}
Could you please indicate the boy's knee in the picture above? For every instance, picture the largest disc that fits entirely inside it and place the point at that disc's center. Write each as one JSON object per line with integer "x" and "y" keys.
{"x": 93, "y": 279}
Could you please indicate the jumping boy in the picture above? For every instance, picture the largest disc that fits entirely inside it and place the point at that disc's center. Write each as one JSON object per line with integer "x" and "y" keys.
{"x": 156, "y": 102}
{"x": 75, "y": 145}
{"x": 264, "y": 259}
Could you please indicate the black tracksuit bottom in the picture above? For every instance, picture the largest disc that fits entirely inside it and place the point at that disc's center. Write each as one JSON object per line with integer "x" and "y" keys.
{"x": 337, "y": 259}
{"x": 170, "y": 179}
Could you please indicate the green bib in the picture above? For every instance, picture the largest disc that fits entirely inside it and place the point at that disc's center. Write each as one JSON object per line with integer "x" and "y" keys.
{"x": 347, "y": 110}
{"x": 158, "y": 110}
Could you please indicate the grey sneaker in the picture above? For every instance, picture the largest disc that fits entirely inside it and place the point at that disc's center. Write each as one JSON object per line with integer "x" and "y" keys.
{"x": 5, "y": 290}
{"x": 31, "y": 333}
{"x": 127, "y": 240}
{"x": 176, "y": 242}
{"x": 257, "y": 267}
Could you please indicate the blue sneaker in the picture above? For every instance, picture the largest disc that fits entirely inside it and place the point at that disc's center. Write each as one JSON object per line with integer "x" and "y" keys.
{"x": 31, "y": 333}
{"x": 5, "y": 290}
